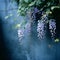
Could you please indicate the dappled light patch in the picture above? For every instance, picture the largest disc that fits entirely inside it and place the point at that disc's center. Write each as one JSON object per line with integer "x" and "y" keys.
{"x": 49, "y": 45}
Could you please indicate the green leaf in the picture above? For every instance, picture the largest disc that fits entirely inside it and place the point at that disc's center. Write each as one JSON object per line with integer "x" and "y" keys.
{"x": 57, "y": 40}
{"x": 38, "y": 2}
{"x": 18, "y": 26}
{"x": 32, "y": 3}
{"x": 54, "y": 7}
{"x": 18, "y": 11}
{"x": 6, "y": 17}
{"x": 22, "y": 8}
{"x": 26, "y": 1}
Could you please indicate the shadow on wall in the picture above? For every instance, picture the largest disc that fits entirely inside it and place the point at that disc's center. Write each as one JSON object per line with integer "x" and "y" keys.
{"x": 4, "y": 52}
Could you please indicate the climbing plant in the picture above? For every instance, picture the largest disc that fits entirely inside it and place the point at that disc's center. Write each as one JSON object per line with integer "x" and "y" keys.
{"x": 26, "y": 5}
{"x": 41, "y": 11}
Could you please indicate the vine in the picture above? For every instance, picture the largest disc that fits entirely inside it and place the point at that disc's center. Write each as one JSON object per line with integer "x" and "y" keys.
{"x": 40, "y": 11}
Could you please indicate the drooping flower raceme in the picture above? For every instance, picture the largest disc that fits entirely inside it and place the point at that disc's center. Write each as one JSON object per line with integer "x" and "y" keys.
{"x": 42, "y": 25}
{"x": 20, "y": 34}
{"x": 52, "y": 27}
{"x": 40, "y": 29}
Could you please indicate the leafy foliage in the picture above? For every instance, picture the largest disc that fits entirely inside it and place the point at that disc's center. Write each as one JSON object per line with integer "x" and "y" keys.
{"x": 26, "y": 5}
{"x": 57, "y": 40}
